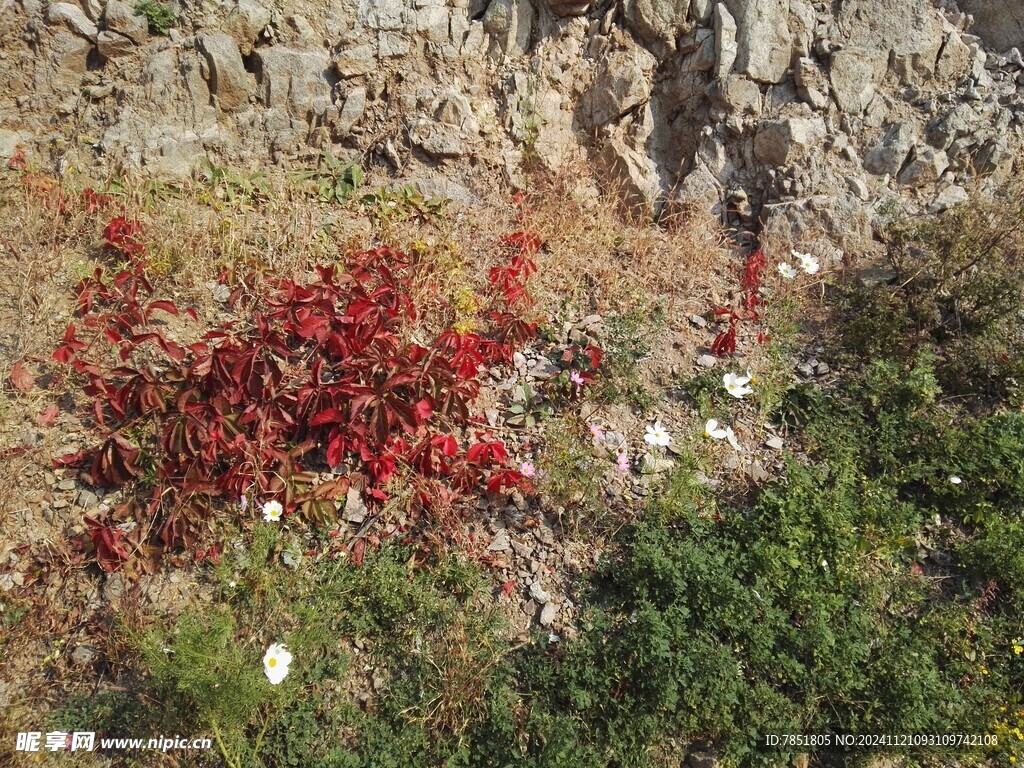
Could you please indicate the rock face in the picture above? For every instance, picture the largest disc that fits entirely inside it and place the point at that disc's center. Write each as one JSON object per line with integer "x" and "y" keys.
{"x": 792, "y": 116}
{"x": 1000, "y": 23}
{"x": 229, "y": 81}
{"x": 763, "y": 38}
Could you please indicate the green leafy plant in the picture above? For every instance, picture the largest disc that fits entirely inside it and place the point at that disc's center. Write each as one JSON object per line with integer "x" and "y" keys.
{"x": 335, "y": 180}
{"x": 390, "y": 206}
{"x": 230, "y": 187}
{"x": 160, "y": 16}
{"x": 528, "y": 408}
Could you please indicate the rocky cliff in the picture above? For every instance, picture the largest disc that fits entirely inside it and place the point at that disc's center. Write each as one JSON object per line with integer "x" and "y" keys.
{"x": 800, "y": 117}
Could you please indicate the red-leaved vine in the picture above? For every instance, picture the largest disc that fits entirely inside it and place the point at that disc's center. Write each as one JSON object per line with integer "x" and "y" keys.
{"x": 750, "y": 303}
{"x": 323, "y": 374}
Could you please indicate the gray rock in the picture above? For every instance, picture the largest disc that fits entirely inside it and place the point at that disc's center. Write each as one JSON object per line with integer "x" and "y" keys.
{"x": 539, "y": 595}
{"x": 122, "y": 19}
{"x": 707, "y": 361}
{"x": 245, "y": 23}
{"x": 500, "y": 543}
{"x": 854, "y": 74}
{"x": 9, "y": 141}
{"x": 775, "y": 443}
{"x": 548, "y": 614}
{"x": 657, "y": 22}
{"x": 623, "y": 83}
{"x": 295, "y": 82}
{"x": 726, "y": 48}
{"x": 72, "y": 17}
{"x": 112, "y": 45}
{"x": 954, "y": 61}
{"x": 780, "y": 142}
{"x": 381, "y": 14}
{"x": 229, "y": 81}
{"x": 564, "y": 8}
{"x": 701, "y": 10}
{"x": 945, "y": 129}
{"x": 87, "y": 499}
{"x": 858, "y": 186}
{"x": 633, "y": 173}
{"x": 437, "y": 139}
{"x": 1000, "y": 23}
{"x": 763, "y": 38}
{"x": 93, "y": 9}
{"x": 83, "y": 655}
{"x": 891, "y": 152}
{"x": 355, "y": 508}
{"x": 736, "y": 94}
{"x": 948, "y": 198}
{"x": 812, "y": 85}
{"x": 356, "y": 60}
{"x": 433, "y": 23}
{"x": 510, "y": 24}
{"x": 351, "y": 112}
{"x": 908, "y": 32}
{"x": 926, "y": 166}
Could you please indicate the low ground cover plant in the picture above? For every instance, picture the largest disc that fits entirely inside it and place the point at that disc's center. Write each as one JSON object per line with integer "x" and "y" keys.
{"x": 325, "y": 373}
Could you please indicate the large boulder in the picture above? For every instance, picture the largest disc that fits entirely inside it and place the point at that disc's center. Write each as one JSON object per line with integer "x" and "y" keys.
{"x": 623, "y": 83}
{"x": 229, "y": 81}
{"x": 763, "y": 38}
{"x": 510, "y": 25}
{"x": 122, "y": 19}
{"x": 657, "y": 22}
{"x": 781, "y": 142}
{"x": 296, "y": 82}
{"x": 907, "y": 33}
{"x": 888, "y": 156}
{"x": 854, "y": 74}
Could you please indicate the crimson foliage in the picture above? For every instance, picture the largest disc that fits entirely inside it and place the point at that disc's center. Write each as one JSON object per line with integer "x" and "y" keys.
{"x": 321, "y": 374}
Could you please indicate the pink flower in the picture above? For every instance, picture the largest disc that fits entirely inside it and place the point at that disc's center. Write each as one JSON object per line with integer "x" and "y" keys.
{"x": 527, "y": 469}
{"x": 597, "y": 432}
{"x": 622, "y": 463}
{"x": 575, "y": 378}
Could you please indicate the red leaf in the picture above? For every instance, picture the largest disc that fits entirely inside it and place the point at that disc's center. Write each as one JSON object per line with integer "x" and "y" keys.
{"x": 508, "y": 588}
{"x": 424, "y": 410}
{"x": 166, "y": 306}
{"x": 107, "y": 542}
{"x": 48, "y": 416}
{"x": 21, "y": 377}
{"x": 71, "y": 459}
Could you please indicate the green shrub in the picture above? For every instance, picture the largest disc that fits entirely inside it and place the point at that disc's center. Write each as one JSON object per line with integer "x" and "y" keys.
{"x": 159, "y": 15}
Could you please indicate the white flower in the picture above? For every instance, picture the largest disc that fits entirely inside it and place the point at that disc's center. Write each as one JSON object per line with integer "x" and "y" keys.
{"x": 808, "y": 263}
{"x": 824, "y": 564}
{"x": 955, "y": 479}
{"x": 275, "y": 663}
{"x": 272, "y": 511}
{"x": 786, "y": 270}
{"x": 737, "y": 385}
{"x": 656, "y": 435}
{"x": 711, "y": 429}
{"x": 731, "y": 437}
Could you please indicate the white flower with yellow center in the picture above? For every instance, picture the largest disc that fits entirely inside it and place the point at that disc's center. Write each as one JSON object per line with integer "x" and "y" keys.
{"x": 737, "y": 385}
{"x": 807, "y": 262}
{"x": 275, "y": 663}
{"x": 656, "y": 435}
{"x": 272, "y": 511}
{"x": 712, "y": 430}
{"x": 786, "y": 270}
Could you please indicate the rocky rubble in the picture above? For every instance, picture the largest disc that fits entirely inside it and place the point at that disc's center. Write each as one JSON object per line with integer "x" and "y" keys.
{"x": 803, "y": 113}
